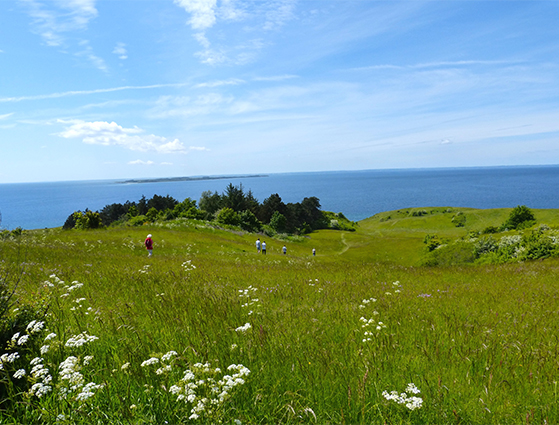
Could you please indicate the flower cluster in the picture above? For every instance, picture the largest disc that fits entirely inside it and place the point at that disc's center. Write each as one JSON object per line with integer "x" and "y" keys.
{"x": 200, "y": 388}
{"x": 144, "y": 270}
{"x": 70, "y": 375}
{"x": 365, "y": 302}
{"x": 188, "y": 266}
{"x": 314, "y": 283}
{"x": 244, "y": 328}
{"x": 406, "y": 398}
{"x": 79, "y": 340}
{"x": 368, "y": 324}
{"x": 250, "y": 302}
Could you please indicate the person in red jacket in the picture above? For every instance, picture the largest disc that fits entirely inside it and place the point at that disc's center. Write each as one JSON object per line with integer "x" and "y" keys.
{"x": 149, "y": 245}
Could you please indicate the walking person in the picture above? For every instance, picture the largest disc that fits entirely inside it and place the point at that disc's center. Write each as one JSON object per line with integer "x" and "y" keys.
{"x": 149, "y": 245}
{"x": 258, "y": 246}
{"x": 264, "y": 247}
{"x": 284, "y": 249}
{"x": 314, "y": 252}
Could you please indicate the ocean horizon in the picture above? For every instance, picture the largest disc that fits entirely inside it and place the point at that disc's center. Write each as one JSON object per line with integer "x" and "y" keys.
{"x": 357, "y": 194}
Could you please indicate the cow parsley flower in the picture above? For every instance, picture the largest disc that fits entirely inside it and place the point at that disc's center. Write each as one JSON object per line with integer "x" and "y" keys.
{"x": 35, "y": 326}
{"x": 244, "y": 328}
{"x": 405, "y": 398}
{"x": 20, "y": 373}
{"x": 149, "y": 362}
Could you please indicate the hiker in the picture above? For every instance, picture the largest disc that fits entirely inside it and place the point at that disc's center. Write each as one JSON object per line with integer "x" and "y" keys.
{"x": 314, "y": 252}
{"x": 258, "y": 246}
{"x": 149, "y": 245}
{"x": 264, "y": 247}
{"x": 284, "y": 249}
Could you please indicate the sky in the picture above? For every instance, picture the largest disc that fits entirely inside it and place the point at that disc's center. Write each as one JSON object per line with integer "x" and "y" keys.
{"x": 118, "y": 89}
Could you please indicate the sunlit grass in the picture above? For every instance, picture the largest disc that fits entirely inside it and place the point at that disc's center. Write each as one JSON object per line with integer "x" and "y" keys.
{"x": 479, "y": 343}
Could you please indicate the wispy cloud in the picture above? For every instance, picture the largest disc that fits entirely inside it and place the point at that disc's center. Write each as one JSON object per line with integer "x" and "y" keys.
{"x": 140, "y": 162}
{"x": 231, "y": 82}
{"x": 441, "y": 64}
{"x": 276, "y": 78}
{"x": 264, "y": 16}
{"x": 120, "y": 51}
{"x": 4, "y": 116}
{"x": 87, "y": 52}
{"x": 87, "y": 92}
{"x": 202, "y": 12}
{"x": 52, "y": 20}
{"x": 112, "y": 134}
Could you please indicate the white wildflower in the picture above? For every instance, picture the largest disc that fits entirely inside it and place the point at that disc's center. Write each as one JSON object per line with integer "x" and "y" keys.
{"x": 244, "y": 328}
{"x": 166, "y": 357}
{"x": 149, "y": 362}
{"x": 50, "y": 336}
{"x": 20, "y": 373}
{"x": 22, "y": 339}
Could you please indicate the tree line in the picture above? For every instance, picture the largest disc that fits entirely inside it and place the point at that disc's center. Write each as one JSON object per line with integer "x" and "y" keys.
{"x": 233, "y": 207}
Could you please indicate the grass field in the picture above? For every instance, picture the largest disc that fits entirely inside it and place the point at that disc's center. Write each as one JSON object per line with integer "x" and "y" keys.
{"x": 209, "y": 331}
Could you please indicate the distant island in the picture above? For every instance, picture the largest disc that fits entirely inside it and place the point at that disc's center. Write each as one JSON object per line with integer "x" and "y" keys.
{"x": 185, "y": 179}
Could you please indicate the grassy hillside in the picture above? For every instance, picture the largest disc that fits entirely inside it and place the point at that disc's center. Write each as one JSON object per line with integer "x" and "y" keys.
{"x": 209, "y": 331}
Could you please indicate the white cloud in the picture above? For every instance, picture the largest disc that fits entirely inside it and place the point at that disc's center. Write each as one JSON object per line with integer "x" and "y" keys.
{"x": 86, "y": 92}
{"x": 140, "y": 162}
{"x": 279, "y": 14}
{"x": 4, "y": 116}
{"x": 276, "y": 78}
{"x": 230, "y": 82}
{"x": 112, "y": 134}
{"x": 202, "y": 11}
{"x": 52, "y": 19}
{"x": 87, "y": 52}
{"x": 120, "y": 50}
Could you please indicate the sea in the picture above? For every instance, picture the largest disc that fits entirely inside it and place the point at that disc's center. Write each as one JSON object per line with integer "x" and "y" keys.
{"x": 357, "y": 194}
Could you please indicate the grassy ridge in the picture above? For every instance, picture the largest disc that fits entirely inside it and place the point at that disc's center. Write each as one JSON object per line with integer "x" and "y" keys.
{"x": 479, "y": 342}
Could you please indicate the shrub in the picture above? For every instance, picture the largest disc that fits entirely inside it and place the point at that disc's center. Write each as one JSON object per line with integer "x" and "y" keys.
{"x": 87, "y": 220}
{"x": 484, "y": 245}
{"x": 249, "y": 222}
{"x": 278, "y": 222}
{"x": 521, "y": 217}
{"x": 228, "y": 216}
{"x": 459, "y": 219}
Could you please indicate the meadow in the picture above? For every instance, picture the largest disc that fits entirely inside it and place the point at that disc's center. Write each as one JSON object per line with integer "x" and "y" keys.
{"x": 209, "y": 331}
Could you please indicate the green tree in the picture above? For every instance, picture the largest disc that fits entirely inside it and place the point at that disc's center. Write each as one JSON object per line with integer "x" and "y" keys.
{"x": 228, "y": 216}
{"x": 278, "y": 222}
{"x": 520, "y": 217}
{"x": 87, "y": 220}
{"x": 210, "y": 202}
{"x": 249, "y": 222}
{"x": 151, "y": 215}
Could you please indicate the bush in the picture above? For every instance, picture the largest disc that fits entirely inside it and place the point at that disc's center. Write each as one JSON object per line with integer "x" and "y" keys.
{"x": 521, "y": 217}
{"x": 459, "y": 219}
{"x": 484, "y": 245}
{"x": 278, "y": 222}
{"x": 249, "y": 222}
{"x": 228, "y": 216}
{"x": 87, "y": 220}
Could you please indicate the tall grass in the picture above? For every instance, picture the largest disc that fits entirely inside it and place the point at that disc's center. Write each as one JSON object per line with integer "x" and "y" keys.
{"x": 325, "y": 338}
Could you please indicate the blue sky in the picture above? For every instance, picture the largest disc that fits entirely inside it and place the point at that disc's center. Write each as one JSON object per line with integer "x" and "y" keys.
{"x": 103, "y": 89}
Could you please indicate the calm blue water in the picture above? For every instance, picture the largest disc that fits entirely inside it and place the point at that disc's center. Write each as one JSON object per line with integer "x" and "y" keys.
{"x": 358, "y": 194}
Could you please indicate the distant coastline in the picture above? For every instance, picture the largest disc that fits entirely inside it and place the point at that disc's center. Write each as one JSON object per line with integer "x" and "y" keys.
{"x": 185, "y": 179}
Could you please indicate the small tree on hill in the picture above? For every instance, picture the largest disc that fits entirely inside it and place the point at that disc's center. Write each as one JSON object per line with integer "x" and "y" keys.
{"x": 87, "y": 220}
{"x": 228, "y": 216}
{"x": 520, "y": 217}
